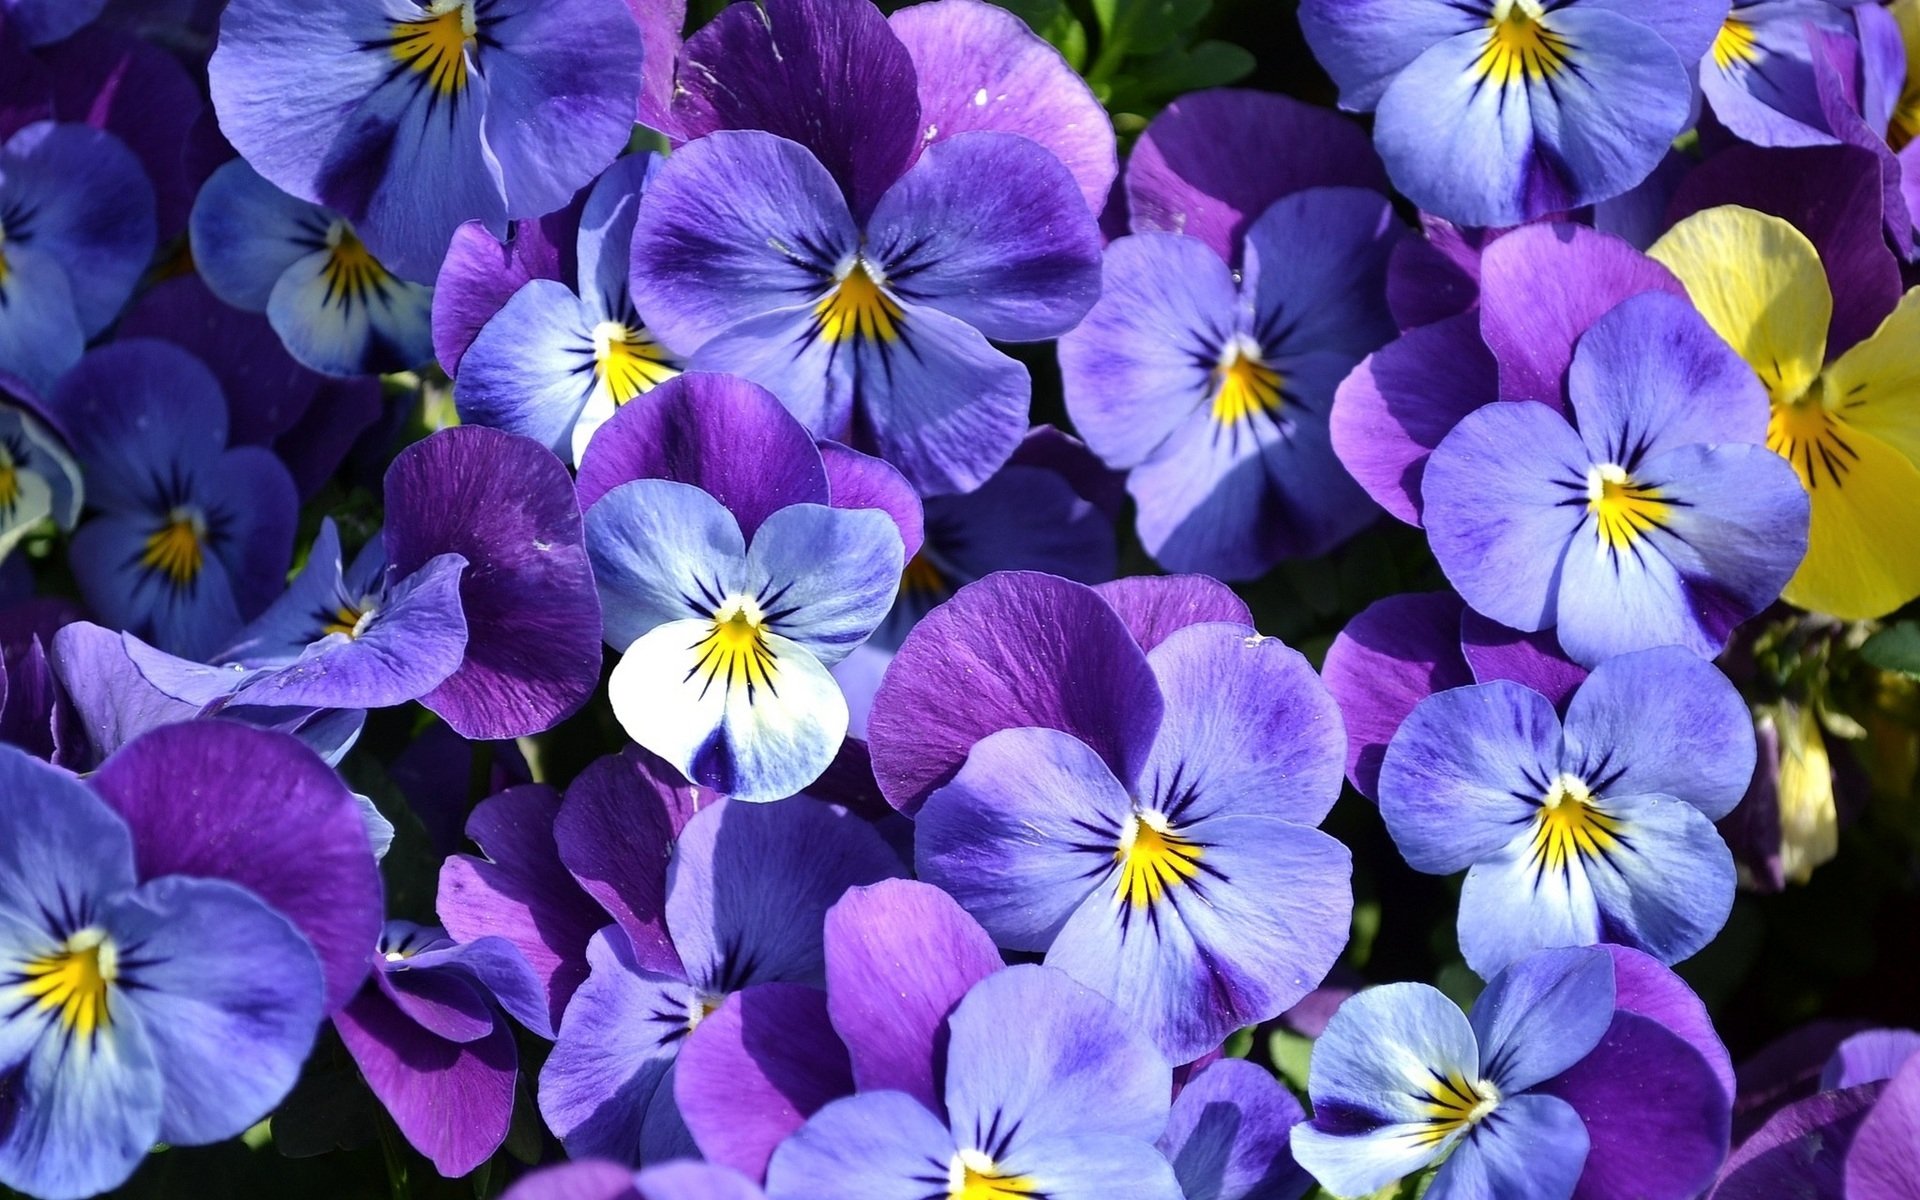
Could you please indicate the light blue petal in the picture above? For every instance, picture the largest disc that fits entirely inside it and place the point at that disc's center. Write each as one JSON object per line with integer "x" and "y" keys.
{"x": 604, "y": 249}
{"x": 1542, "y": 1015}
{"x": 1670, "y": 892}
{"x": 1094, "y": 1167}
{"x": 1317, "y": 271}
{"x": 61, "y": 848}
{"x": 1662, "y": 721}
{"x": 77, "y": 195}
{"x": 661, "y": 551}
{"x": 1033, "y": 1054}
{"x": 1511, "y": 905}
{"x": 1529, "y": 1148}
{"x": 229, "y": 1030}
{"x": 363, "y": 323}
{"x": 83, "y": 1114}
{"x": 1363, "y": 44}
{"x": 1023, "y": 834}
{"x": 530, "y": 370}
{"x": 247, "y": 232}
{"x": 825, "y": 577}
{"x": 1466, "y": 771}
{"x": 40, "y": 334}
{"x": 877, "y": 1146}
{"x": 299, "y": 617}
{"x": 760, "y": 725}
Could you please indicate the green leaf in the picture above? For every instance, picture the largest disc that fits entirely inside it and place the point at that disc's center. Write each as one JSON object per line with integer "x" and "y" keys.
{"x": 1207, "y": 64}
{"x": 1290, "y": 1053}
{"x": 1895, "y": 648}
{"x": 1239, "y": 1044}
{"x": 1055, "y": 22}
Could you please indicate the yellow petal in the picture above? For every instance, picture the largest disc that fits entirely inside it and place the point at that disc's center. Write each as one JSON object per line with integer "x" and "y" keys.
{"x": 1809, "y": 819}
{"x": 1758, "y": 282}
{"x": 1875, "y": 386}
{"x": 1863, "y": 560}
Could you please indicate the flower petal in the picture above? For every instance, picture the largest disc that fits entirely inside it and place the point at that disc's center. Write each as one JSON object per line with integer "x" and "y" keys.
{"x": 1227, "y": 1135}
{"x": 827, "y": 576}
{"x": 1542, "y": 1015}
{"x": 1663, "y": 721}
{"x": 1394, "y": 654}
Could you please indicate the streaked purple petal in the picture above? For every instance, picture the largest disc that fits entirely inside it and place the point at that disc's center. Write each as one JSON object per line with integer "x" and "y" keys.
{"x": 1227, "y": 1136}
{"x": 614, "y": 832}
{"x": 1155, "y": 607}
{"x": 1394, "y": 654}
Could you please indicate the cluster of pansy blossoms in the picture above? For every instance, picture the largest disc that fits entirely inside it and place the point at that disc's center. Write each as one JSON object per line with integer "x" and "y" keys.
{"x": 1060, "y": 600}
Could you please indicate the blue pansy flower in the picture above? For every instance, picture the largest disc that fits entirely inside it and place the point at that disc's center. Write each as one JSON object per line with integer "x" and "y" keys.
{"x": 336, "y": 308}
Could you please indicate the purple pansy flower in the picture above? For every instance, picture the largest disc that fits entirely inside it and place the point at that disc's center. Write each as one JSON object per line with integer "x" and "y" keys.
{"x": 1580, "y": 1072}
{"x": 744, "y": 901}
{"x": 1495, "y": 112}
{"x": 555, "y": 361}
{"x": 858, "y": 269}
{"x": 1142, "y": 851}
{"x": 428, "y": 1037}
{"x": 1598, "y": 827}
{"x": 186, "y": 539}
{"x": 335, "y": 307}
{"x": 736, "y": 562}
{"x": 591, "y": 1180}
{"x": 1402, "y": 649}
{"x": 1049, "y": 1090}
{"x": 76, "y": 231}
{"x": 413, "y": 117}
{"x": 128, "y": 1019}
{"x": 1655, "y": 516}
{"x": 477, "y": 600}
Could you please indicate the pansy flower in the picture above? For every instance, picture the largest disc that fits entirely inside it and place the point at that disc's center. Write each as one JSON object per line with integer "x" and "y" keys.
{"x": 858, "y": 269}
{"x": 76, "y": 231}
{"x": 482, "y": 557}
{"x": 1048, "y": 1090}
{"x": 1849, "y": 427}
{"x": 1593, "y": 827}
{"x": 1495, "y": 112}
{"x": 736, "y": 564}
{"x": 1578, "y": 1072}
{"x": 598, "y": 1180}
{"x": 1654, "y": 517}
{"x": 428, "y": 1036}
{"x": 337, "y": 309}
{"x": 1759, "y": 76}
{"x": 185, "y": 539}
{"x": 554, "y": 363}
{"x": 1142, "y": 859}
{"x": 413, "y": 117}
{"x": 1208, "y": 365}
{"x": 38, "y": 478}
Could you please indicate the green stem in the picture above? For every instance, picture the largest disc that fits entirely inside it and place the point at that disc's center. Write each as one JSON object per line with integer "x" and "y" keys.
{"x": 396, "y": 1163}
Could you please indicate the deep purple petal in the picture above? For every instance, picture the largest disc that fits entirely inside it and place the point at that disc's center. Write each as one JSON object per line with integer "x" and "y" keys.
{"x": 1394, "y": 654}
{"x": 1211, "y": 162}
{"x": 1155, "y": 607}
{"x": 755, "y": 1069}
{"x": 1227, "y": 1136}
{"x": 1801, "y": 1150}
{"x": 506, "y": 504}
{"x": 220, "y": 800}
{"x": 1869, "y": 1057}
{"x": 1885, "y": 1159}
{"x": 1532, "y": 660}
{"x": 856, "y": 480}
{"x": 829, "y": 75}
{"x": 614, "y": 832}
{"x": 900, "y": 955}
{"x": 727, "y": 436}
{"x": 480, "y": 273}
{"x": 1028, "y": 650}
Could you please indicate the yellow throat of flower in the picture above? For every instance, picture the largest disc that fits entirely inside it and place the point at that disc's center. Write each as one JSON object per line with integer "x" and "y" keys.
{"x": 974, "y": 1176}
{"x": 1154, "y": 858}
{"x": 73, "y": 981}
{"x": 1734, "y": 44}
{"x": 735, "y": 653}
{"x": 858, "y": 307}
{"x": 627, "y": 361}
{"x": 1453, "y": 1103}
{"x": 1624, "y": 511}
{"x": 352, "y": 274}
{"x": 1568, "y": 827}
{"x": 1807, "y": 435}
{"x": 437, "y": 44}
{"x": 1520, "y": 47}
{"x": 1244, "y": 385}
{"x": 177, "y": 549}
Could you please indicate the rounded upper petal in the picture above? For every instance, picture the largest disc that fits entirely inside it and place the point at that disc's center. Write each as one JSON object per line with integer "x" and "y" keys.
{"x": 1543, "y": 1014}
{"x": 1227, "y": 1135}
{"x": 1663, "y": 721}
{"x": 1395, "y": 653}
{"x": 81, "y": 198}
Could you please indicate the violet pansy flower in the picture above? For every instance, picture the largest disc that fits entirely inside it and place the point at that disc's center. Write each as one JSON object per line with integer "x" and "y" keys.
{"x": 185, "y": 539}
{"x": 427, "y": 1034}
{"x": 1656, "y": 516}
{"x": 337, "y": 309}
{"x": 128, "y": 1019}
{"x": 1144, "y": 859}
{"x": 1496, "y": 112}
{"x": 1595, "y": 827}
{"x": 858, "y": 269}
{"x": 554, "y": 362}
{"x": 731, "y": 582}
{"x": 1049, "y": 1090}
{"x": 1578, "y": 1072}
{"x": 76, "y": 231}
{"x": 415, "y": 117}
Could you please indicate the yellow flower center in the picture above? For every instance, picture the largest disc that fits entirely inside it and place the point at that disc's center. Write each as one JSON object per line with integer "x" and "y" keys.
{"x": 178, "y": 548}
{"x": 1153, "y": 858}
{"x": 627, "y": 361}
{"x": 858, "y": 307}
{"x": 436, "y": 45}
{"x": 1520, "y": 46}
{"x": 74, "y": 979}
{"x": 346, "y": 620}
{"x": 9, "y": 473}
{"x": 1734, "y": 44}
{"x": 352, "y": 274}
{"x": 974, "y": 1176}
{"x": 1568, "y": 826}
{"x": 1804, "y": 433}
{"x": 1453, "y": 1103}
{"x": 1623, "y": 511}
{"x": 735, "y": 653}
{"x": 1245, "y": 386}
